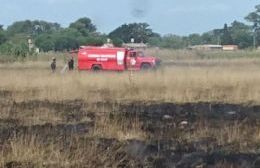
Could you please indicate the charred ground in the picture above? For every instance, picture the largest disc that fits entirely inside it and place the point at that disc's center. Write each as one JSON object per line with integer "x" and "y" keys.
{"x": 180, "y": 135}
{"x": 186, "y": 116}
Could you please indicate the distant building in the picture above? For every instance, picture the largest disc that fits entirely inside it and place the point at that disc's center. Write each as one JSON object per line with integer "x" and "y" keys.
{"x": 37, "y": 50}
{"x": 230, "y": 47}
{"x": 135, "y": 45}
{"x": 213, "y": 47}
{"x": 206, "y": 47}
{"x": 30, "y": 44}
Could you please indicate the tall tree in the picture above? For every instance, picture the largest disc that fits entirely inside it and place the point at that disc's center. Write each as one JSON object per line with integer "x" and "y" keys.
{"x": 84, "y": 26}
{"x": 32, "y": 27}
{"x": 254, "y": 18}
{"x": 194, "y": 39}
{"x": 241, "y": 34}
{"x": 139, "y": 31}
{"x": 210, "y": 38}
{"x": 3, "y": 37}
{"x": 173, "y": 41}
{"x": 45, "y": 42}
{"x": 226, "y": 38}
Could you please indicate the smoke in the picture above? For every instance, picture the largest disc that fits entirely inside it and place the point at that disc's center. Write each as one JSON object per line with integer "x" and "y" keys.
{"x": 139, "y": 8}
{"x": 138, "y": 13}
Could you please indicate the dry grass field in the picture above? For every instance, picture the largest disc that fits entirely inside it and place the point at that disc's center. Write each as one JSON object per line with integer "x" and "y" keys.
{"x": 197, "y": 110}
{"x": 235, "y": 81}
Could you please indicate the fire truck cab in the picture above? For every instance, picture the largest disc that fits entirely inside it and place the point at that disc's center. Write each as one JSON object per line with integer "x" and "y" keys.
{"x": 114, "y": 59}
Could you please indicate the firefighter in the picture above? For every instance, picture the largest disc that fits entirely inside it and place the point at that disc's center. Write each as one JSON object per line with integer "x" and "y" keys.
{"x": 53, "y": 64}
{"x": 71, "y": 64}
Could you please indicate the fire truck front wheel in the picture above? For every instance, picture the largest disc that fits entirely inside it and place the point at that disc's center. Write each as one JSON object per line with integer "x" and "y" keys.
{"x": 96, "y": 68}
{"x": 146, "y": 66}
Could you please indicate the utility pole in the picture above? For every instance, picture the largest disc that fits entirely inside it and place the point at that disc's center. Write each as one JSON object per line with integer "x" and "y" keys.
{"x": 254, "y": 39}
{"x": 219, "y": 40}
{"x": 255, "y": 27}
{"x": 30, "y": 44}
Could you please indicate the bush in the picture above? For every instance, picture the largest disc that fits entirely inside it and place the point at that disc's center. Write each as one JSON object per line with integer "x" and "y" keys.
{"x": 93, "y": 41}
{"x": 18, "y": 51}
{"x": 117, "y": 42}
{"x": 45, "y": 42}
{"x": 6, "y": 48}
{"x": 21, "y": 50}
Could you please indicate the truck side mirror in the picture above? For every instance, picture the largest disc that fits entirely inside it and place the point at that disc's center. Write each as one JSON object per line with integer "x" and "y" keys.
{"x": 133, "y": 54}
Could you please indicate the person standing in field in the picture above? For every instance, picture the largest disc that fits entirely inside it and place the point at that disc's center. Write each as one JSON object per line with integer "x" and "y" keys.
{"x": 53, "y": 64}
{"x": 71, "y": 64}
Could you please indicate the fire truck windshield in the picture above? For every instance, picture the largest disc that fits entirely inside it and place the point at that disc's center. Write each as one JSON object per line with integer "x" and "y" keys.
{"x": 137, "y": 54}
{"x": 140, "y": 54}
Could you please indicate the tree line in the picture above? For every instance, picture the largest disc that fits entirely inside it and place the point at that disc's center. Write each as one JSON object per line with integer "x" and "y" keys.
{"x": 49, "y": 36}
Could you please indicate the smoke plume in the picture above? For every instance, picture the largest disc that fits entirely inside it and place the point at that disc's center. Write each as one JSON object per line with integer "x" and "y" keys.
{"x": 139, "y": 8}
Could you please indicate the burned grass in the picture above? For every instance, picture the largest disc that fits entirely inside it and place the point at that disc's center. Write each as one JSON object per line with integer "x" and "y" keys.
{"x": 182, "y": 116}
{"x": 130, "y": 134}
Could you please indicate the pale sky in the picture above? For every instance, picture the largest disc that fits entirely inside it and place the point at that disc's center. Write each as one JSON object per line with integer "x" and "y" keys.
{"x": 165, "y": 16}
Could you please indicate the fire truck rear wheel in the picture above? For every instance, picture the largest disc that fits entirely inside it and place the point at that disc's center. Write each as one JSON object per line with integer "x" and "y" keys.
{"x": 146, "y": 66}
{"x": 96, "y": 68}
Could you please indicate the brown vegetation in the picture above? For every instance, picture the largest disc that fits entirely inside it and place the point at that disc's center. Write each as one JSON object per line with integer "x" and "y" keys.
{"x": 189, "y": 113}
{"x": 235, "y": 81}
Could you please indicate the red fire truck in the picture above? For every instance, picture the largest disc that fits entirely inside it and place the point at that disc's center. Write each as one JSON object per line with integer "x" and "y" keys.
{"x": 114, "y": 59}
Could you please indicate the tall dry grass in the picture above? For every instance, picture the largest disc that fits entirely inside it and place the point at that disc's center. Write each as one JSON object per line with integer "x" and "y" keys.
{"x": 28, "y": 151}
{"x": 171, "y": 54}
{"x": 234, "y": 81}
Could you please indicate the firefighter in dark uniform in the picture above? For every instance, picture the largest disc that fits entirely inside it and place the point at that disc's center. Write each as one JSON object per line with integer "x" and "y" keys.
{"x": 53, "y": 64}
{"x": 71, "y": 64}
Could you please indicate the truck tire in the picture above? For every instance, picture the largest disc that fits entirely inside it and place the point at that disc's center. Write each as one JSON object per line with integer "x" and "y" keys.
{"x": 96, "y": 68}
{"x": 146, "y": 66}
